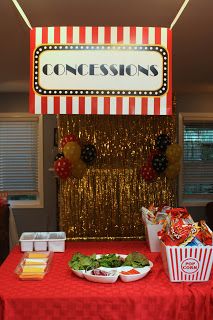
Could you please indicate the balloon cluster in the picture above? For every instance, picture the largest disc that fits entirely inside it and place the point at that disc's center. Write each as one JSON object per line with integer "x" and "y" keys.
{"x": 164, "y": 159}
{"x": 74, "y": 159}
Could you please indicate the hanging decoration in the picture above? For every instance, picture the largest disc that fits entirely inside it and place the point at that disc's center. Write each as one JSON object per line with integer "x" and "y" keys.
{"x": 165, "y": 159}
{"x": 105, "y": 203}
{"x": 101, "y": 70}
{"x": 73, "y": 161}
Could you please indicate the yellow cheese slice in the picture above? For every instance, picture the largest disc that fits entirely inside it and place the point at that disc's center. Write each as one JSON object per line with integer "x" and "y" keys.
{"x": 39, "y": 255}
{"x": 33, "y": 269}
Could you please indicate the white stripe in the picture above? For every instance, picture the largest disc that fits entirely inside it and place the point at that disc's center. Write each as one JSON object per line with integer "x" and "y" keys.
{"x": 101, "y": 34}
{"x": 51, "y": 35}
{"x": 88, "y": 36}
{"x": 76, "y": 34}
{"x": 63, "y": 35}
{"x": 138, "y": 35}
{"x": 113, "y": 35}
{"x": 126, "y": 33}
{"x": 100, "y": 105}
{"x": 63, "y": 104}
{"x": 88, "y": 105}
{"x": 38, "y": 36}
{"x": 151, "y": 38}
{"x": 163, "y": 101}
{"x": 164, "y": 37}
{"x": 138, "y": 106}
{"x": 125, "y": 105}
{"x": 37, "y": 104}
{"x": 75, "y": 105}
{"x": 150, "y": 106}
{"x": 50, "y": 105}
{"x": 112, "y": 105}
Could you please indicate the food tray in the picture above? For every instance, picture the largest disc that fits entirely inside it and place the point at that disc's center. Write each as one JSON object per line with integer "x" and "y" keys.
{"x": 34, "y": 265}
{"x": 43, "y": 241}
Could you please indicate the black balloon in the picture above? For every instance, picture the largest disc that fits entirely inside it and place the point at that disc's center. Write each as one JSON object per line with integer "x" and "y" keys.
{"x": 159, "y": 163}
{"x": 162, "y": 141}
{"x": 59, "y": 155}
{"x": 88, "y": 153}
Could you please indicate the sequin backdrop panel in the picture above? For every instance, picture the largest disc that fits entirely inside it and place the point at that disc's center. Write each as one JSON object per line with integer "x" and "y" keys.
{"x": 106, "y": 202}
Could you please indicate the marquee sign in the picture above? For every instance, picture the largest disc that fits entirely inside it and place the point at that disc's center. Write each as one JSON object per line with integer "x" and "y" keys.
{"x": 101, "y": 70}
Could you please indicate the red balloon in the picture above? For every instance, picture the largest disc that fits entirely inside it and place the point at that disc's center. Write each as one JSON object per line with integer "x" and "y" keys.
{"x": 68, "y": 138}
{"x": 62, "y": 168}
{"x": 148, "y": 173}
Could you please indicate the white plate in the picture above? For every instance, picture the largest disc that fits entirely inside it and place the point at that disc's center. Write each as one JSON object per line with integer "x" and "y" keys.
{"x": 111, "y": 279}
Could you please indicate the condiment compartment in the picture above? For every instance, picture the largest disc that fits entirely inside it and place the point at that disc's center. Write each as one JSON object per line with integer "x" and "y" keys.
{"x": 26, "y": 241}
{"x": 40, "y": 241}
{"x": 56, "y": 241}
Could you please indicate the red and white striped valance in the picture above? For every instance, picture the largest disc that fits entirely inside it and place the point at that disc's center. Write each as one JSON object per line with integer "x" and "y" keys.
{"x": 45, "y": 98}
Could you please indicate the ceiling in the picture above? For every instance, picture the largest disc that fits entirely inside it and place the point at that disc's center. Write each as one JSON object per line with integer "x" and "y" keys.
{"x": 192, "y": 35}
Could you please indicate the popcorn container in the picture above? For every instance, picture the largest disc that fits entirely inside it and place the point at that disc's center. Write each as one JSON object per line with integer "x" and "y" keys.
{"x": 187, "y": 264}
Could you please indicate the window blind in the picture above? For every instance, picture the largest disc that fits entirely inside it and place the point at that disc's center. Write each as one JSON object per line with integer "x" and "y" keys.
{"x": 198, "y": 160}
{"x": 19, "y": 156}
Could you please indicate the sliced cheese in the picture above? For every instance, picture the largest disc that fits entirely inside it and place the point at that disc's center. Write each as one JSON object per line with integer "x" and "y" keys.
{"x": 33, "y": 269}
{"x": 35, "y": 261}
{"x": 37, "y": 255}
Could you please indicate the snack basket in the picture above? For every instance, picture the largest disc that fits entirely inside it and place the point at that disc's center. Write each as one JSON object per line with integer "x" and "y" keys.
{"x": 151, "y": 233}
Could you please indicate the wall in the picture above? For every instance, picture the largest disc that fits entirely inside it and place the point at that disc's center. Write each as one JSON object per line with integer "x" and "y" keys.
{"x": 202, "y": 103}
{"x": 44, "y": 218}
{"x": 39, "y": 219}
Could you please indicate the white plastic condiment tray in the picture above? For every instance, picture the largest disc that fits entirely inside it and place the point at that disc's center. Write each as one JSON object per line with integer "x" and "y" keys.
{"x": 116, "y": 273}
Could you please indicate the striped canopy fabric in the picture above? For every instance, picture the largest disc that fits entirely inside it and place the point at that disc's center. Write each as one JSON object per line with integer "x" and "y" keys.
{"x": 120, "y": 88}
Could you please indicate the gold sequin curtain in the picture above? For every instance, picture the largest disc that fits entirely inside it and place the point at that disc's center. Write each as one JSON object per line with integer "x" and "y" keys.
{"x": 106, "y": 202}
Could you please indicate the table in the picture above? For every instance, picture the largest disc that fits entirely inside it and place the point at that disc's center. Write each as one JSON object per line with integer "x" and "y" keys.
{"x": 62, "y": 295}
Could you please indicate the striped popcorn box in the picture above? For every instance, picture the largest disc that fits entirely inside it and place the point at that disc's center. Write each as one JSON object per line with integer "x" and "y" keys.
{"x": 187, "y": 264}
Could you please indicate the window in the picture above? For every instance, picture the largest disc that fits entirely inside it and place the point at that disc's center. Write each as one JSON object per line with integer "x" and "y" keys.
{"x": 196, "y": 177}
{"x": 21, "y": 159}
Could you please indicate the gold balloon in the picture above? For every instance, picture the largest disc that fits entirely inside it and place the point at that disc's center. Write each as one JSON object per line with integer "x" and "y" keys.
{"x": 78, "y": 170}
{"x": 72, "y": 151}
{"x": 174, "y": 153}
{"x": 172, "y": 170}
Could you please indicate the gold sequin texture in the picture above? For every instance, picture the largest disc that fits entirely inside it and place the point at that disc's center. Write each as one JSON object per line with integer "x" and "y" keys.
{"x": 106, "y": 203}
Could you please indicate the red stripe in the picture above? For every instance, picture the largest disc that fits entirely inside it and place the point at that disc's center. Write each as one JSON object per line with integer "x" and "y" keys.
{"x": 157, "y": 35}
{"x": 132, "y": 105}
{"x": 132, "y": 34}
{"x": 120, "y": 35}
{"x": 44, "y": 35}
{"x": 207, "y": 266}
{"x": 94, "y": 34}
{"x": 56, "y": 105}
{"x": 56, "y": 34}
{"x": 81, "y": 105}
{"x": 106, "y": 105}
{"x": 82, "y": 34}
{"x": 181, "y": 274}
{"x": 169, "y": 93}
{"x": 107, "y": 34}
{"x": 145, "y": 35}
{"x": 156, "y": 106}
{"x": 69, "y": 35}
{"x": 69, "y": 105}
{"x": 177, "y": 267}
{"x": 94, "y": 105}
{"x": 144, "y": 106}
{"x": 171, "y": 257}
{"x": 32, "y": 94}
{"x": 44, "y": 105}
{"x": 119, "y": 105}
{"x": 204, "y": 258}
{"x": 196, "y": 252}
